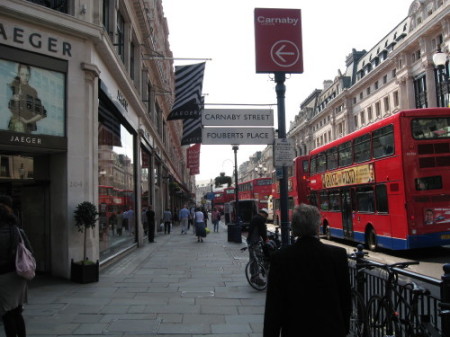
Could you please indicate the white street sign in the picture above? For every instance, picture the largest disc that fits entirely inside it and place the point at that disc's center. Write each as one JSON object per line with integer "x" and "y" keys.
{"x": 237, "y": 136}
{"x": 283, "y": 152}
{"x": 237, "y": 117}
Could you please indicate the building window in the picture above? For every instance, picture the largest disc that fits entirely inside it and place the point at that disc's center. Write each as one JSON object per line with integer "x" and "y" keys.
{"x": 356, "y": 121}
{"x": 57, "y": 5}
{"x": 363, "y": 118}
{"x": 377, "y": 109}
{"x": 396, "y": 99}
{"x": 369, "y": 113}
{"x": 132, "y": 60}
{"x": 106, "y": 15}
{"x": 420, "y": 92}
{"x": 368, "y": 91}
{"x": 376, "y": 85}
{"x": 384, "y": 79}
{"x": 361, "y": 95}
{"x": 442, "y": 87}
{"x": 386, "y": 104}
{"x": 120, "y": 36}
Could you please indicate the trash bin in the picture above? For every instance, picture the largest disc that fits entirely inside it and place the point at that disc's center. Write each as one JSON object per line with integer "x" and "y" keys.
{"x": 234, "y": 233}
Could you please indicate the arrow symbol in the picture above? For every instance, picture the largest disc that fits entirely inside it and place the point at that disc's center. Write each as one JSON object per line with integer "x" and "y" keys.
{"x": 280, "y": 53}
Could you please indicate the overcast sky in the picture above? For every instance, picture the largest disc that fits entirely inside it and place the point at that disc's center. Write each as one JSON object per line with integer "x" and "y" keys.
{"x": 223, "y": 31}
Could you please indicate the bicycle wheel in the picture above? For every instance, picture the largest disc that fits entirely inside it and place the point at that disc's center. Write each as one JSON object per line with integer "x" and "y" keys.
{"x": 358, "y": 321}
{"x": 259, "y": 283}
{"x": 379, "y": 320}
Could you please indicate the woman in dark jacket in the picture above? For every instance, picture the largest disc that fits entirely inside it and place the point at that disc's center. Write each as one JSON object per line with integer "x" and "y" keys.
{"x": 13, "y": 288}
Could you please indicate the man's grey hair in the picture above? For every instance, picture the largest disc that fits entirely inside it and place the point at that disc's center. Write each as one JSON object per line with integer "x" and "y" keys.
{"x": 305, "y": 221}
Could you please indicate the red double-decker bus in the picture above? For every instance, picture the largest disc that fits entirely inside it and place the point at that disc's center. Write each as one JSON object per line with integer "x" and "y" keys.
{"x": 298, "y": 191}
{"x": 229, "y": 194}
{"x": 219, "y": 201}
{"x": 388, "y": 184}
{"x": 258, "y": 189}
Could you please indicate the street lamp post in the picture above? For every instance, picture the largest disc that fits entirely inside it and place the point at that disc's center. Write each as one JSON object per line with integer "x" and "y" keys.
{"x": 260, "y": 170}
{"x": 440, "y": 61}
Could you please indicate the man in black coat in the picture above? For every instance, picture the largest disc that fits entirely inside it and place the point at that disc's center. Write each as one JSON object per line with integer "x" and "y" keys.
{"x": 308, "y": 291}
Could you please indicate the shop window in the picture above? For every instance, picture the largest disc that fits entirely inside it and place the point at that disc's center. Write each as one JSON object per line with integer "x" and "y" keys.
{"x": 117, "y": 201}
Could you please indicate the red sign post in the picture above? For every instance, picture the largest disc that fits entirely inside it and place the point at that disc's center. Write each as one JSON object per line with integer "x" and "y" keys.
{"x": 278, "y": 40}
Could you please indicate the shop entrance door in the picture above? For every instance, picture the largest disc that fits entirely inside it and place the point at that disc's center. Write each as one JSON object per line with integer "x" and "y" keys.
{"x": 31, "y": 206}
{"x": 36, "y": 222}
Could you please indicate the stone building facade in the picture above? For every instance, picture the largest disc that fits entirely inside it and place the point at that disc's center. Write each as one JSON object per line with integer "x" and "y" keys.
{"x": 395, "y": 74}
{"x": 85, "y": 92}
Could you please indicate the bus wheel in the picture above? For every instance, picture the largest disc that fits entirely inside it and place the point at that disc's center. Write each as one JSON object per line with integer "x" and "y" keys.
{"x": 371, "y": 240}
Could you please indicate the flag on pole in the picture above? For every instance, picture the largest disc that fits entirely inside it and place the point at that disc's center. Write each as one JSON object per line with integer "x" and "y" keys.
{"x": 192, "y": 131}
{"x": 193, "y": 158}
{"x": 188, "y": 91}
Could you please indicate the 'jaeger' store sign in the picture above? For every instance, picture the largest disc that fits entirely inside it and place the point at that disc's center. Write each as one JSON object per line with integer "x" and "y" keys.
{"x": 32, "y": 100}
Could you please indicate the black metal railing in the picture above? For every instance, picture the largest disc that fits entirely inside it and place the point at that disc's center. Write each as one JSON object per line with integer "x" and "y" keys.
{"x": 369, "y": 282}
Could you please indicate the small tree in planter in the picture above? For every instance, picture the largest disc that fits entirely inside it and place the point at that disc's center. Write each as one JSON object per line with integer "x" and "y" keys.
{"x": 85, "y": 218}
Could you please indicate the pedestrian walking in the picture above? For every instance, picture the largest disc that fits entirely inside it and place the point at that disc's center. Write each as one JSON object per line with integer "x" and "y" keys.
{"x": 119, "y": 225}
{"x": 144, "y": 219}
{"x": 13, "y": 288}
{"x": 151, "y": 223}
{"x": 184, "y": 215}
{"x": 193, "y": 209}
{"x": 167, "y": 219}
{"x": 200, "y": 229}
{"x": 308, "y": 291}
{"x": 215, "y": 217}
{"x": 205, "y": 216}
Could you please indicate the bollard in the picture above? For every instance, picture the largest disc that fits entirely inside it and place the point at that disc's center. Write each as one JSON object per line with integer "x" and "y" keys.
{"x": 445, "y": 298}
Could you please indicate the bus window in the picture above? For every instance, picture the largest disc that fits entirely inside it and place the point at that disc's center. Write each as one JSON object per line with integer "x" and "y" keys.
{"x": 365, "y": 199}
{"x": 324, "y": 202}
{"x": 321, "y": 162}
{"x": 345, "y": 154}
{"x": 383, "y": 142}
{"x": 305, "y": 166}
{"x": 313, "y": 199}
{"x": 362, "y": 148}
{"x": 335, "y": 201}
{"x": 429, "y": 183}
{"x": 427, "y": 128}
{"x": 332, "y": 159}
{"x": 313, "y": 165}
{"x": 382, "y": 201}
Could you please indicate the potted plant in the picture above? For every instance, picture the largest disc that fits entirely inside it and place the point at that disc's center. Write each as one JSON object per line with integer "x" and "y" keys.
{"x": 85, "y": 271}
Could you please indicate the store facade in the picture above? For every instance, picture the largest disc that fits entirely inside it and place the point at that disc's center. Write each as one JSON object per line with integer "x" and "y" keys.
{"x": 76, "y": 126}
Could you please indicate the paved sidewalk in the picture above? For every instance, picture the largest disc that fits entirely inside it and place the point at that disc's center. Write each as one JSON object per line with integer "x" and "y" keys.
{"x": 174, "y": 287}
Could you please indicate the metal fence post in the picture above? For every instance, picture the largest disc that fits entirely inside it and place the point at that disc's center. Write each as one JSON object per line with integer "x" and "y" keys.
{"x": 445, "y": 298}
{"x": 360, "y": 276}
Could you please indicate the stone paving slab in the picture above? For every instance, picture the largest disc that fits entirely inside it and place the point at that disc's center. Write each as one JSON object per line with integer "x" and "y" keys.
{"x": 175, "y": 287}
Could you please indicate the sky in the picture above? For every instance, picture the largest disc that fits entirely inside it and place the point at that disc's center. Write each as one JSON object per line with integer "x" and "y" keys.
{"x": 223, "y": 31}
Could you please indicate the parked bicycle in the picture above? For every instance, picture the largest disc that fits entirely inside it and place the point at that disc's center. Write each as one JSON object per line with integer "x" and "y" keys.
{"x": 391, "y": 314}
{"x": 358, "y": 318}
{"x": 257, "y": 268}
